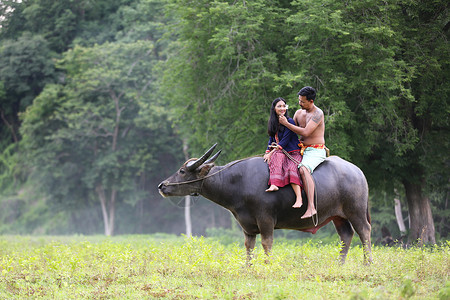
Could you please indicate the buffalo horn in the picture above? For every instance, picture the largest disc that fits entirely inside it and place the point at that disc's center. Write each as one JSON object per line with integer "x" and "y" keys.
{"x": 213, "y": 159}
{"x": 197, "y": 163}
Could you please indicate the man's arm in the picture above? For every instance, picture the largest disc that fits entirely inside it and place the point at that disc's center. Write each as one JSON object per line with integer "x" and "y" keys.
{"x": 310, "y": 126}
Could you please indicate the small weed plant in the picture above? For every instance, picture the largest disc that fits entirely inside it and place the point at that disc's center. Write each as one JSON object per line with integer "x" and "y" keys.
{"x": 169, "y": 267}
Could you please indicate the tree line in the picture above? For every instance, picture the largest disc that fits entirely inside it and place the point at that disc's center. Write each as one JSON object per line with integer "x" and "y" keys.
{"x": 99, "y": 98}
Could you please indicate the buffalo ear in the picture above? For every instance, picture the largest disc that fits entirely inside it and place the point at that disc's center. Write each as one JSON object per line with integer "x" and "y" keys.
{"x": 204, "y": 169}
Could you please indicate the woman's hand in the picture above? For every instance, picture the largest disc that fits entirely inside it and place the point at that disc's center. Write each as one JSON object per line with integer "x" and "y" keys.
{"x": 267, "y": 156}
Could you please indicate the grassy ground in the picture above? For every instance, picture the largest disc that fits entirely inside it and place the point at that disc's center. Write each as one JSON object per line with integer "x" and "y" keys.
{"x": 148, "y": 267}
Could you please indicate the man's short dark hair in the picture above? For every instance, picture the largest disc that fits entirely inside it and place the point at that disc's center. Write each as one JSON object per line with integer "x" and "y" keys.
{"x": 309, "y": 92}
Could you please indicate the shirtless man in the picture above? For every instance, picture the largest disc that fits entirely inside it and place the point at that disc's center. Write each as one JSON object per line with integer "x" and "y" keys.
{"x": 311, "y": 128}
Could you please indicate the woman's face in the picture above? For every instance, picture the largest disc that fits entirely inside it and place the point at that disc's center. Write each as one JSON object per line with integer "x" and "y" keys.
{"x": 280, "y": 108}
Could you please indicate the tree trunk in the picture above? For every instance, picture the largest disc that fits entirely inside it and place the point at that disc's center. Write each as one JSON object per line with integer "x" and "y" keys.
{"x": 112, "y": 212}
{"x": 101, "y": 195}
{"x": 108, "y": 214}
{"x": 187, "y": 215}
{"x": 10, "y": 127}
{"x": 109, "y": 211}
{"x": 398, "y": 215}
{"x": 187, "y": 208}
{"x": 421, "y": 219}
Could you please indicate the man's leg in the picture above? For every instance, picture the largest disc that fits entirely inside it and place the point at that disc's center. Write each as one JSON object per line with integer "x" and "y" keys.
{"x": 308, "y": 184}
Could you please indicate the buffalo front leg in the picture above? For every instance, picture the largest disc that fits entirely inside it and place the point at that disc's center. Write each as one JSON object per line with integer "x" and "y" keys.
{"x": 345, "y": 231}
{"x": 267, "y": 242}
{"x": 267, "y": 239}
{"x": 250, "y": 240}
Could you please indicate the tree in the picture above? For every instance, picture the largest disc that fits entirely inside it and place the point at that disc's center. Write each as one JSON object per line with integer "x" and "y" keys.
{"x": 381, "y": 69}
{"x": 26, "y": 65}
{"x": 363, "y": 57}
{"x": 425, "y": 29}
{"x": 220, "y": 72}
{"x": 187, "y": 198}
{"x": 84, "y": 135}
{"x": 234, "y": 57}
{"x": 66, "y": 204}
{"x": 62, "y": 21}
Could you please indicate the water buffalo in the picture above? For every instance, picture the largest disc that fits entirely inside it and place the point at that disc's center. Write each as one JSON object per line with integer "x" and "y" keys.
{"x": 239, "y": 186}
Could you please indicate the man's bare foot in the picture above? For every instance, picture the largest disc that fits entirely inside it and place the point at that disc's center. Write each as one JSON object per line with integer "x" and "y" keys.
{"x": 298, "y": 203}
{"x": 272, "y": 188}
{"x": 309, "y": 214}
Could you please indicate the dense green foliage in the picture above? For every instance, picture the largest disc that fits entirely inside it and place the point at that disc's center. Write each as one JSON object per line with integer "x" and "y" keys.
{"x": 138, "y": 266}
{"x": 92, "y": 130}
{"x": 383, "y": 110}
{"x": 98, "y": 97}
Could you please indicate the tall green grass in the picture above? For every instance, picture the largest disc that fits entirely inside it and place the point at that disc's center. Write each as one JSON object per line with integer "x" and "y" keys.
{"x": 158, "y": 266}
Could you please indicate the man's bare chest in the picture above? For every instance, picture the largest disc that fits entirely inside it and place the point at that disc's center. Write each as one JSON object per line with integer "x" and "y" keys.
{"x": 304, "y": 119}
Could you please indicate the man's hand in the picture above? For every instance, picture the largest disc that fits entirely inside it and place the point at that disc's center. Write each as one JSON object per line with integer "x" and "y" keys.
{"x": 283, "y": 120}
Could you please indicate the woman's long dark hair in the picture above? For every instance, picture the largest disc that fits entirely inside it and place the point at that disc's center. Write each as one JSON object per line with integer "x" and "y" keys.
{"x": 274, "y": 125}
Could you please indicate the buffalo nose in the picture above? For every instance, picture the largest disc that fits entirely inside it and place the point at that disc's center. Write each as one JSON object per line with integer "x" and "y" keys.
{"x": 162, "y": 184}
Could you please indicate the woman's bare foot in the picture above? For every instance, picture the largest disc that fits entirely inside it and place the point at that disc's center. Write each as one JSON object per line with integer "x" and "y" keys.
{"x": 309, "y": 214}
{"x": 298, "y": 203}
{"x": 272, "y": 188}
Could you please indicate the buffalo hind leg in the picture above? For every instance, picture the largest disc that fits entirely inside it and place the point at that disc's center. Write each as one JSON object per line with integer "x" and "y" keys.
{"x": 345, "y": 231}
{"x": 363, "y": 229}
{"x": 250, "y": 241}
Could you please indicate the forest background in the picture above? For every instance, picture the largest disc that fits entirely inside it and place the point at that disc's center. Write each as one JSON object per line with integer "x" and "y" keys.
{"x": 102, "y": 100}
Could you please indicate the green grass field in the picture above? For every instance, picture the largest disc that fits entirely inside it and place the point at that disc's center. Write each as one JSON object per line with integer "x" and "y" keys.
{"x": 159, "y": 266}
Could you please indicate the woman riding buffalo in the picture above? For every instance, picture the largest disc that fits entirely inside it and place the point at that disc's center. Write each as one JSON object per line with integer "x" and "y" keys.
{"x": 283, "y": 152}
